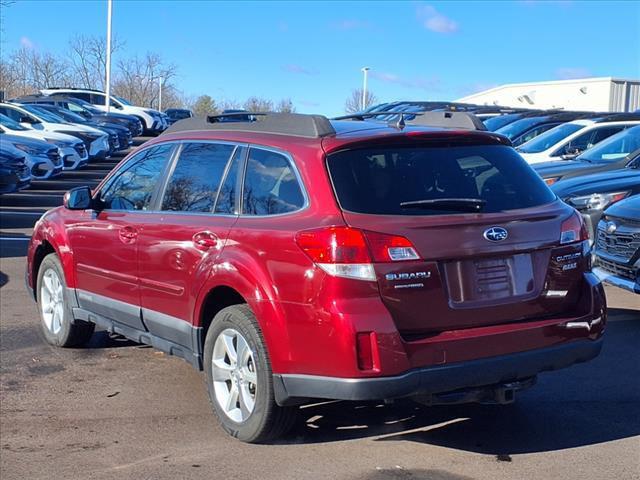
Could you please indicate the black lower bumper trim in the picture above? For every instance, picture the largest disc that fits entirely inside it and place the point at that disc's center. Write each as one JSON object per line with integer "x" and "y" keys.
{"x": 437, "y": 379}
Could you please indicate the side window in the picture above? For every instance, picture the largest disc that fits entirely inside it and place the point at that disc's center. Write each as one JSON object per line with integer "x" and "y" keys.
{"x": 270, "y": 185}
{"x": 195, "y": 180}
{"x": 97, "y": 98}
{"x": 580, "y": 143}
{"x": 604, "y": 132}
{"x": 227, "y": 197}
{"x": 132, "y": 188}
{"x": 11, "y": 113}
{"x": 82, "y": 96}
{"x": 71, "y": 106}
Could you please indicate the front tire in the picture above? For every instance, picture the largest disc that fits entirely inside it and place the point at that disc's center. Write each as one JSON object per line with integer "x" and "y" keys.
{"x": 56, "y": 314}
{"x": 239, "y": 378}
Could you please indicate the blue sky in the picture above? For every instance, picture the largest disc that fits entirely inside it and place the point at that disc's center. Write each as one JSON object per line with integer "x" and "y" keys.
{"x": 312, "y": 52}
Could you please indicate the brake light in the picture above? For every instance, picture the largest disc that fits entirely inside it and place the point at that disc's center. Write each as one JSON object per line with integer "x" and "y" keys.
{"x": 573, "y": 230}
{"x": 350, "y": 252}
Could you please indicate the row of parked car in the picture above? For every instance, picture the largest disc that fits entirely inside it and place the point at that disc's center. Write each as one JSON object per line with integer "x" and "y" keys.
{"x": 63, "y": 129}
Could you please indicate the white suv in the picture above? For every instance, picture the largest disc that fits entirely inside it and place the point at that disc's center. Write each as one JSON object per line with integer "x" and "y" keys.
{"x": 568, "y": 140}
{"x": 152, "y": 120}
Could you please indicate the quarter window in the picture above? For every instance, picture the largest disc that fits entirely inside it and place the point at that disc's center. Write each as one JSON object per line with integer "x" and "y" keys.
{"x": 270, "y": 186}
{"x": 133, "y": 188}
{"x": 194, "y": 183}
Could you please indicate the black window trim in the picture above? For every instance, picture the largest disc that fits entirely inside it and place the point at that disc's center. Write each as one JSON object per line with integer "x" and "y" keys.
{"x": 294, "y": 168}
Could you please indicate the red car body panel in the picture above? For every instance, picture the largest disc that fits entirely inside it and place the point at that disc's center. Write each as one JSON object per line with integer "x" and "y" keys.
{"x": 308, "y": 318}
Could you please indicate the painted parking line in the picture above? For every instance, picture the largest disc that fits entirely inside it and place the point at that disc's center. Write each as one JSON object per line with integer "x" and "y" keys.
{"x": 16, "y": 238}
{"x": 5, "y": 212}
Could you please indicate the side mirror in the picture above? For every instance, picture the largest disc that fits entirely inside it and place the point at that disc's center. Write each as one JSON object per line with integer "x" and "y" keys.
{"x": 570, "y": 153}
{"x": 78, "y": 198}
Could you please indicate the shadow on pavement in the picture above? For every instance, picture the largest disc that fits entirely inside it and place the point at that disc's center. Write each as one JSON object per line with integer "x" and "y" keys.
{"x": 586, "y": 404}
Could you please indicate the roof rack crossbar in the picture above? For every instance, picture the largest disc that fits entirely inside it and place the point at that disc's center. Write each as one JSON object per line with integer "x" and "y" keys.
{"x": 448, "y": 119}
{"x": 295, "y": 124}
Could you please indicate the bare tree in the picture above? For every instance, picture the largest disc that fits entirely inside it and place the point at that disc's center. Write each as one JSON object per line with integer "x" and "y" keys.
{"x": 285, "y": 106}
{"x": 353, "y": 103}
{"x": 138, "y": 79}
{"x": 257, "y": 104}
{"x": 88, "y": 60}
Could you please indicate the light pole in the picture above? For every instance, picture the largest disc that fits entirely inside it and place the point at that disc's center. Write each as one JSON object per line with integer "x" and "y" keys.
{"x": 108, "y": 62}
{"x": 160, "y": 80}
{"x": 365, "y": 72}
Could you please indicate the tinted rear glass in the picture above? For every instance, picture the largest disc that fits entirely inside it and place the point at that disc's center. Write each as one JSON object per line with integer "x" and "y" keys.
{"x": 377, "y": 181}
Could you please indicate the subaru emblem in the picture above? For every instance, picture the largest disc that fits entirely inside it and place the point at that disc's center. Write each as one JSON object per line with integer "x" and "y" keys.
{"x": 495, "y": 234}
{"x": 611, "y": 227}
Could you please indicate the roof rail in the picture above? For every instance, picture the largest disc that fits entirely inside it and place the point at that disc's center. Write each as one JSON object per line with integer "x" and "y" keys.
{"x": 618, "y": 117}
{"x": 365, "y": 115}
{"x": 74, "y": 88}
{"x": 447, "y": 119}
{"x": 294, "y": 124}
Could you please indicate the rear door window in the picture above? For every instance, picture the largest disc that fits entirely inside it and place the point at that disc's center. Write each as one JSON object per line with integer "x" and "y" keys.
{"x": 270, "y": 186}
{"x": 194, "y": 183}
{"x": 379, "y": 181}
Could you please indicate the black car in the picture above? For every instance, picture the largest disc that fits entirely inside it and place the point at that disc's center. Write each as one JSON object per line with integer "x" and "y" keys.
{"x": 532, "y": 125}
{"x": 592, "y": 194}
{"x": 616, "y": 152}
{"x": 175, "y": 114}
{"x": 86, "y": 110}
{"x": 14, "y": 172}
{"x": 119, "y": 136}
{"x": 617, "y": 245}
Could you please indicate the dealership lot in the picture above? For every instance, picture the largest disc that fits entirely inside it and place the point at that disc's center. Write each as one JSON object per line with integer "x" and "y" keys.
{"x": 116, "y": 409}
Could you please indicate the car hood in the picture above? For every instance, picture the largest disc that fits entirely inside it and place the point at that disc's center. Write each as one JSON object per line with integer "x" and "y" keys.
{"x": 560, "y": 167}
{"x": 39, "y": 145}
{"x": 46, "y": 135}
{"x": 628, "y": 208}
{"x": 71, "y": 127}
{"x": 598, "y": 182}
{"x": 107, "y": 117}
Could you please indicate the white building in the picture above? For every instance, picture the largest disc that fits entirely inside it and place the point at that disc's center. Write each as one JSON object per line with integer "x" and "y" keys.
{"x": 604, "y": 94}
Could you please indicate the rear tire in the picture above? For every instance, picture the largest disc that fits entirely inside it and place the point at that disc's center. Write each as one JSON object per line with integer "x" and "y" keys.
{"x": 240, "y": 380}
{"x": 56, "y": 315}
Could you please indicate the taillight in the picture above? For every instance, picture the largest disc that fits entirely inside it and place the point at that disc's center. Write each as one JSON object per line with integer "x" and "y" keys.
{"x": 350, "y": 252}
{"x": 573, "y": 230}
{"x": 390, "y": 248}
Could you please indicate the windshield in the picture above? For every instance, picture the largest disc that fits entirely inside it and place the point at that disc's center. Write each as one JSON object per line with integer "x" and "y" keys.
{"x": 494, "y": 123}
{"x": 388, "y": 180}
{"x": 43, "y": 114}
{"x": 122, "y": 100}
{"x": 516, "y": 128}
{"x": 10, "y": 123}
{"x": 549, "y": 138}
{"x": 69, "y": 116}
{"x": 615, "y": 147}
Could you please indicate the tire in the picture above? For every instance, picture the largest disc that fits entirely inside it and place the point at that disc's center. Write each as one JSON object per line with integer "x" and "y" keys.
{"x": 58, "y": 325}
{"x": 266, "y": 420}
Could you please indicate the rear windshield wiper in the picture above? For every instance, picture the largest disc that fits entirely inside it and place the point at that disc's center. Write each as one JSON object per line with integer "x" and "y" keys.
{"x": 466, "y": 204}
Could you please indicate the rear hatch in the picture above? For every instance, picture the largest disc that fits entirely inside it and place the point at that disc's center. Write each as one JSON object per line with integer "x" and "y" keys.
{"x": 485, "y": 227}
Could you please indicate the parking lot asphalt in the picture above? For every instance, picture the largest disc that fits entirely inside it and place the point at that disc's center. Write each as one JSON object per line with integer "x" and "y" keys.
{"x": 116, "y": 409}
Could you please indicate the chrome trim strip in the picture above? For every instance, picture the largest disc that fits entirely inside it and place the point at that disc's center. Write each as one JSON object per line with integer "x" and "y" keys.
{"x": 615, "y": 280}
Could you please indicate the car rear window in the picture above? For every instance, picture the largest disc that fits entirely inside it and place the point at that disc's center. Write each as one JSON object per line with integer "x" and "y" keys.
{"x": 379, "y": 180}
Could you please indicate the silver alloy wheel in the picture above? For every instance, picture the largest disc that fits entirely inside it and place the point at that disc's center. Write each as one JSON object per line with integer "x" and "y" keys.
{"x": 235, "y": 380}
{"x": 52, "y": 301}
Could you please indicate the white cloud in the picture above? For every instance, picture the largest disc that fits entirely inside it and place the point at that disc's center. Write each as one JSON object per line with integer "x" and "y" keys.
{"x": 26, "y": 42}
{"x": 422, "y": 83}
{"x": 432, "y": 20}
{"x": 293, "y": 68}
{"x": 568, "y": 73}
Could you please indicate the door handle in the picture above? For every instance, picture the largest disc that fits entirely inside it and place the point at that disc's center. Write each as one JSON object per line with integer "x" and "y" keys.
{"x": 128, "y": 234}
{"x": 205, "y": 240}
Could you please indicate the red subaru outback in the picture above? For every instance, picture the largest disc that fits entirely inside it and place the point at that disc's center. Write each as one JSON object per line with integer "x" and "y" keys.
{"x": 296, "y": 258}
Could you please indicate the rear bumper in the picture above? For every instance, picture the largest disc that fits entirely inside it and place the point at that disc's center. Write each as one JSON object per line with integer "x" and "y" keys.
{"x": 616, "y": 281}
{"x": 440, "y": 378}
